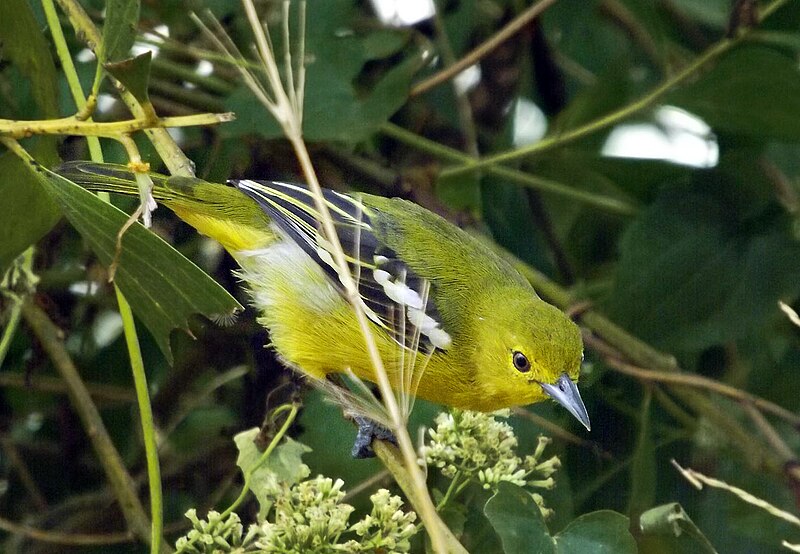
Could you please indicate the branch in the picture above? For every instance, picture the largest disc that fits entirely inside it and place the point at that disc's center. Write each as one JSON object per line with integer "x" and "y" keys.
{"x": 556, "y": 141}
{"x": 52, "y": 341}
{"x": 513, "y": 27}
{"x": 113, "y": 129}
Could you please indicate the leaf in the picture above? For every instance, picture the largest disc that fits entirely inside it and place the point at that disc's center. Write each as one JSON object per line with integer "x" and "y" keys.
{"x": 599, "y": 532}
{"x": 691, "y": 275}
{"x": 337, "y": 106}
{"x": 752, "y": 91}
{"x": 23, "y": 44}
{"x": 162, "y": 286}
{"x": 517, "y": 519}
{"x": 668, "y": 528}
{"x": 284, "y": 465}
{"x": 21, "y": 228}
{"x": 134, "y": 73}
{"x": 119, "y": 30}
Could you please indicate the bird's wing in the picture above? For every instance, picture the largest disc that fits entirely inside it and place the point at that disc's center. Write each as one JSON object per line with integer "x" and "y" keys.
{"x": 393, "y": 295}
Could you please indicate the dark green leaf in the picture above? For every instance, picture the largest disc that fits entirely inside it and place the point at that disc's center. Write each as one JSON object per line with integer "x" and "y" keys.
{"x": 134, "y": 73}
{"x": 162, "y": 286}
{"x": 23, "y": 44}
{"x": 119, "y": 31}
{"x": 602, "y": 532}
{"x": 517, "y": 519}
{"x": 284, "y": 465}
{"x": 337, "y": 105}
{"x": 19, "y": 228}
{"x": 691, "y": 275}
{"x": 752, "y": 91}
{"x": 668, "y": 528}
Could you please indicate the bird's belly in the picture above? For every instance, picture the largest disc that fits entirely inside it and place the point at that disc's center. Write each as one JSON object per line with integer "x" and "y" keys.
{"x": 312, "y": 327}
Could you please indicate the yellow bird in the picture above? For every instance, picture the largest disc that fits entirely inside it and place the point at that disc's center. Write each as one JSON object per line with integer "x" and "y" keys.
{"x": 483, "y": 338}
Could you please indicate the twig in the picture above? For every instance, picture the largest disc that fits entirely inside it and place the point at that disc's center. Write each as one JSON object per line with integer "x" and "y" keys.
{"x": 697, "y": 480}
{"x": 111, "y": 129}
{"x": 700, "y": 382}
{"x": 56, "y": 537}
{"x": 51, "y": 339}
{"x": 16, "y": 462}
{"x": 45, "y": 383}
{"x": 550, "y": 186}
{"x": 559, "y": 140}
{"x": 769, "y": 433}
{"x": 512, "y": 28}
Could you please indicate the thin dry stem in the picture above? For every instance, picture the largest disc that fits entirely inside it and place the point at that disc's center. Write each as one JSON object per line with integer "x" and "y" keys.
{"x": 697, "y": 479}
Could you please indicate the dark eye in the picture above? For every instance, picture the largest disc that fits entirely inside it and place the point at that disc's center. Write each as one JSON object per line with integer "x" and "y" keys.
{"x": 521, "y": 362}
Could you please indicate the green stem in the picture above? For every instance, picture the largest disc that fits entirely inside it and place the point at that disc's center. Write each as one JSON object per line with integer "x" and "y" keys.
{"x": 272, "y": 445}
{"x": 64, "y": 56}
{"x": 169, "y": 151}
{"x": 16, "y": 311}
{"x": 612, "y": 205}
{"x": 446, "y": 498}
{"x": 111, "y": 129}
{"x": 129, "y": 327}
{"x": 557, "y": 141}
{"x": 148, "y": 426}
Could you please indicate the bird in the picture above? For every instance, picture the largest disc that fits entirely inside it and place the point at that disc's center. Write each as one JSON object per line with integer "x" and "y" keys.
{"x": 437, "y": 298}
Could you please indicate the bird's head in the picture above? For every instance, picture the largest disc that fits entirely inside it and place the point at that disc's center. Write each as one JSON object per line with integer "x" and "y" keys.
{"x": 528, "y": 351}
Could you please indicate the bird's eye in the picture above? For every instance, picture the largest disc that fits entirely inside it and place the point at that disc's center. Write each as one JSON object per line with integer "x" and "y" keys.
{"x": 521, "y": 362}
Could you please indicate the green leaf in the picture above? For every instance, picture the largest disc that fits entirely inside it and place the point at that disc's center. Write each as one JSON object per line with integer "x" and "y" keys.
{"x": 162, "y": 286}
{"x": 668, "y": 528}
{"x": 601, "y": 532}
{"x": 134, "y": 73}
{"x": 21, "y": 228}
{"x": 517, "y": 520}
{"x": 22, "y": 43}
{"x": 337, "y": 105}
{"x": 691, "y": 275}
{"x": 119, "y": 31}
{"x": 752, "y": 91}
{"x": 284, "y": 465}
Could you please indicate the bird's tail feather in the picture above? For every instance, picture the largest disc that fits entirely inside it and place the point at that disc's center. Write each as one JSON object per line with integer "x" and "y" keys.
{"x": 218, "y": 211}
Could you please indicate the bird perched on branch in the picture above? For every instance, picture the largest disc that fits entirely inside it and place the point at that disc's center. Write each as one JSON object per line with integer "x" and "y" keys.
{"x": 453, "y": 322}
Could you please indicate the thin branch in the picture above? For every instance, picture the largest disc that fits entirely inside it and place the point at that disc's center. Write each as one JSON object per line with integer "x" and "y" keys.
{"x": 512, "y": 28}
{"x": 112, "y": 129}
{"x": 44, "y": 383}
{"x": 700, "y": 382}
{"x": 698, "y": 479}
{"x": 612, "y": 205}
{"x": 56, "y": 537}
{"x": 646, "y": 101}
{"x": 51, "y": 339}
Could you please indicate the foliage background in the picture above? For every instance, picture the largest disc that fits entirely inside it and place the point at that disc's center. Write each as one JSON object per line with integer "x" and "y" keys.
{"x": 691, "y": 260}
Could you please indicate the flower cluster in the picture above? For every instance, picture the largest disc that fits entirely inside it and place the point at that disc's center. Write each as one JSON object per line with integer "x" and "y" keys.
{"x": 473, "y": 446}
{"x": 307, "y": 517}
{"x": 216, "y": 534}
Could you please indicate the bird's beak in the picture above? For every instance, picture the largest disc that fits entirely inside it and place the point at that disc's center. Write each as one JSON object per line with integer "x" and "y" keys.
{"x": 566, "y": 393}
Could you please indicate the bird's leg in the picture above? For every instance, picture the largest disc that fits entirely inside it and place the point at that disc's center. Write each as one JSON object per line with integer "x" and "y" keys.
{"x": 368, "y": 431}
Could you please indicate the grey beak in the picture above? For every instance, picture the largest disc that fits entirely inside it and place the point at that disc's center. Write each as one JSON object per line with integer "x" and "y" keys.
{"x": 566, "y": 393}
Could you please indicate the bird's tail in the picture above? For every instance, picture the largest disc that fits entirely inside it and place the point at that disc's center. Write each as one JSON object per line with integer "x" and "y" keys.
{"x": 218, "y": 211}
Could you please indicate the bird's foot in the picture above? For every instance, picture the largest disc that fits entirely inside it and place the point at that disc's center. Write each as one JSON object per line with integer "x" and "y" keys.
{"x": 369, "y": 430}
